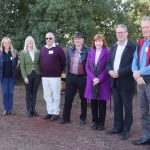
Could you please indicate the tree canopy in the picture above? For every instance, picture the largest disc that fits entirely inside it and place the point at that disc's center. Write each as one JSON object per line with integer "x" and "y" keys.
{"x": 20, "y": 18}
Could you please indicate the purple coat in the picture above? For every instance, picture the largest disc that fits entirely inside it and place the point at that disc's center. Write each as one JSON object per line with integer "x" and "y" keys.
{"x": 103, "y": 76}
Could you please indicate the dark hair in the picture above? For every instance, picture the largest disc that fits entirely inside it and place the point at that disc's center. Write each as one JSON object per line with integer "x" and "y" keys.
{"x": 99, "y": 37}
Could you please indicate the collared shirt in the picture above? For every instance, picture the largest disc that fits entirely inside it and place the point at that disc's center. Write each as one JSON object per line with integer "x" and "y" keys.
{"x": 76, "y": 65}
{"x": 119, "y": 52}
{"x": 32, "y": 55}
{"x": 54, "y": 45}
{"x": 141, "y": 66}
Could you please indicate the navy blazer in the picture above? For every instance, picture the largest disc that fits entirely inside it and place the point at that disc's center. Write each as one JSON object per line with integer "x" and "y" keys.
{"x": 125, "y": 80}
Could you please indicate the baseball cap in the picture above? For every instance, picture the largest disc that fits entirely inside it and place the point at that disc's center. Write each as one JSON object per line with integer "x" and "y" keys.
{"x": 78, "y": 35}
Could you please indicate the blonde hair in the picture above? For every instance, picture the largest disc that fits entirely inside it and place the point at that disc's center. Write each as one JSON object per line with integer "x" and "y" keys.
{"x": 11, "y": 46}
{"x": 99, "y": 37}
{"x": 25, "y": 43}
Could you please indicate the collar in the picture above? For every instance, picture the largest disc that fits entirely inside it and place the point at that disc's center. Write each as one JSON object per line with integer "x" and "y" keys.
{"x": 123, "y": 44}
{"x": 54, "y": 45}
{"x": 74, "y": 48}
{"x": 9, "y": 52}
{"x": 146, "y": 40}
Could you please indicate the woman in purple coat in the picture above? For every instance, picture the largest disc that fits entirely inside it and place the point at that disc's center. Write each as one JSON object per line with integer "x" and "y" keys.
{"x": 97, "y": 84}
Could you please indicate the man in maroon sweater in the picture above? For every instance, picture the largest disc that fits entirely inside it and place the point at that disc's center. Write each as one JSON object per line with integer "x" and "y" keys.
{"x": 52, "y": 63}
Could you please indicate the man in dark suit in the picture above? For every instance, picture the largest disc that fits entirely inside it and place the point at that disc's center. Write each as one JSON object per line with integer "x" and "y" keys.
{"x": 122, "y": 82}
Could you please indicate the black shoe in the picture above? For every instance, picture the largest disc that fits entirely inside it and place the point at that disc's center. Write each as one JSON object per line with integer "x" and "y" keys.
{"x": 125, "y": 135}
{"x": 35, "y": 113}
{"x": 12, "y": 112}
{"x": 64, "y": 121}
{"x": 8, "y": 112}
{"x": 94, "y": 126}
{"x": 29, "y": 115}
{"x": 82, "y": 122}
{"x": 113, "y": 131}
{"x": 100, "y": 127}
{"x": 48, "y": 116}
{"x": 54, "y": 117}
{"x": 142, "y": 141}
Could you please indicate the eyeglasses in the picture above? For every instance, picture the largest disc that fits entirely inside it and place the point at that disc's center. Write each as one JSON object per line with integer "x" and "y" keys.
{"x": 48, "y": 38}
{"x": 120, "y": 32}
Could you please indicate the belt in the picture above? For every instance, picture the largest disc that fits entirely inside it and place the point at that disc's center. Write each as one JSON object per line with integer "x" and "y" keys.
{"x": 78, "y": 75}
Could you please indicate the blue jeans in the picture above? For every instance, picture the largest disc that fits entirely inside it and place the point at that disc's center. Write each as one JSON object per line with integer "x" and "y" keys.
{"x": 7, "y": 85}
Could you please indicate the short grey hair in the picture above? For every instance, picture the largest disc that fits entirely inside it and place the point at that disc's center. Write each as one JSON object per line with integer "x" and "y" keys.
{"x": 146, "y": 18}
{"x": 121, "y": 26}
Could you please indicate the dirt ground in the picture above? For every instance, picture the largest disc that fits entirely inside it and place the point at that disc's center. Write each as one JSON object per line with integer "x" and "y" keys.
{"x": 17, "y": 132}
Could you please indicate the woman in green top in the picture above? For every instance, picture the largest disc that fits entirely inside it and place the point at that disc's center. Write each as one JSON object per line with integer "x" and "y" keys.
{"x": 30, "y": 70}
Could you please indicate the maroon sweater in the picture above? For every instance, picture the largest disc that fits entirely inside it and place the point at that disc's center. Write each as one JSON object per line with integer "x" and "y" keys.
{"x": 52, "y": 61}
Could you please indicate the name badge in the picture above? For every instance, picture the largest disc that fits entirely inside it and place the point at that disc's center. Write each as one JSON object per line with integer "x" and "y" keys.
{"x": 51, "y": 52}
{"x": 11, "y": 58}
{"x": 146, "y": 50}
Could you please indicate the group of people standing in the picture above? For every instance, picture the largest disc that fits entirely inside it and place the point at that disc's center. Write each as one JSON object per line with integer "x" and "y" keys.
{"x": 96, "y": 73}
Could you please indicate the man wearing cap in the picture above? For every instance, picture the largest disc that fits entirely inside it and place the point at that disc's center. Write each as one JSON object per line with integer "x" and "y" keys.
{"x": 76, "y": 77}
{"x": 52, "y": 63}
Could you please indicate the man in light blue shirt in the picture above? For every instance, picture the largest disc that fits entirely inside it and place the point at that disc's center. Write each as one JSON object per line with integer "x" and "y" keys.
{"x": 141, "y": 73}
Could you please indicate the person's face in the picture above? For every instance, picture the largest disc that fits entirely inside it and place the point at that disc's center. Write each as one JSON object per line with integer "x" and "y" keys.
{"x": 145, "y": 27}
{"x": 98, "y": 44}
{"x": 78, "y": 41}
{"x": 30, "y": 44}
{"x": 6, "y": 44}
{"x": 50, "y": 39}
{"x": 121, "y": 34}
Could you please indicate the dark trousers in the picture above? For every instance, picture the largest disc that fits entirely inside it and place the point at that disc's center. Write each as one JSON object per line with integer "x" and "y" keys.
{"x": 98, "y": 111}
{"x": 31, "y": 90}
{"x": 74, "y": 83}
{"x": 123, "y": 117}
{"x": 7, "y": 85}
